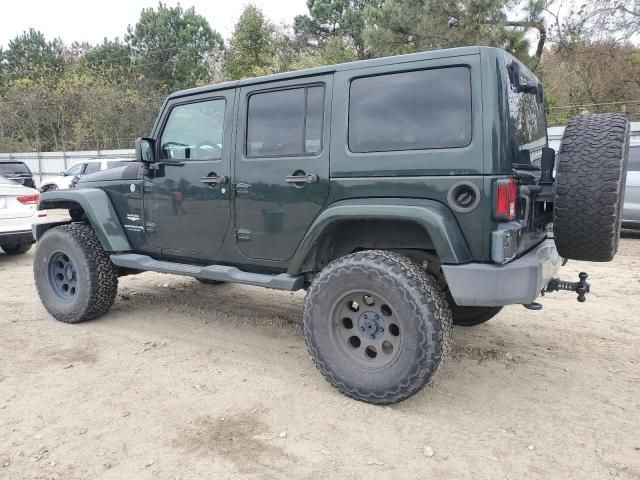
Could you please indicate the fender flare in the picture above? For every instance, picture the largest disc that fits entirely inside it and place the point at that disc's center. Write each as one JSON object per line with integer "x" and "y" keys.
{"x": 97, "y": 208}
{"x": 434, "y": 217}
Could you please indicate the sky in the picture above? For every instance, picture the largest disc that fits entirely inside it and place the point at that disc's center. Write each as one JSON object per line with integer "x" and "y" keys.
{"x": 93, "y": 20}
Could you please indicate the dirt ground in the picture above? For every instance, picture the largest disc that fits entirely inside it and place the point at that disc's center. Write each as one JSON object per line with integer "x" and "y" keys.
{"x": 184, "y": 380}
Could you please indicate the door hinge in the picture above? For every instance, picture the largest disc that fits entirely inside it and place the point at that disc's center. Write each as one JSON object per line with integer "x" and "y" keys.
{"x": 241, "y": 188}
{"x": 243, "y": 235}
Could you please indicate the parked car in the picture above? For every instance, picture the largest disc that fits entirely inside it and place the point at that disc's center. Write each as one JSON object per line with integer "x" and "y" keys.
{"x": 406, "y": 194}
{"x": 18, "y": 172}
{"x": 68, "y": 178}
{"x": 18, "y": 213}
{"x": 631, "y": 212}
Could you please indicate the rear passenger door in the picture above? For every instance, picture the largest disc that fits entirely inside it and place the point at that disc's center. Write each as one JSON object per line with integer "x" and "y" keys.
{"x": 282, "y": 164}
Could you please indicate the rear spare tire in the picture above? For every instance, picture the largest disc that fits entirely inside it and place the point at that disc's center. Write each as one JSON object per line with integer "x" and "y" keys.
{"x": 589, "y": 186}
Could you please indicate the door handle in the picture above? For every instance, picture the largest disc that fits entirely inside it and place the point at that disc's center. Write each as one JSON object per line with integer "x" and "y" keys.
{"x": 303, "y": 178}
{"x": 214, "y": 180}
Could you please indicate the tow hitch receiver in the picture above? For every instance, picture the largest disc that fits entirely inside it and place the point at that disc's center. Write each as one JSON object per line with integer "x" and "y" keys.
{"x": 581, "y": 287}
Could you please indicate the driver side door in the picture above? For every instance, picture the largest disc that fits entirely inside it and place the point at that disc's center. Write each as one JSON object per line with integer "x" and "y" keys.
{"x": 186, "y": 196}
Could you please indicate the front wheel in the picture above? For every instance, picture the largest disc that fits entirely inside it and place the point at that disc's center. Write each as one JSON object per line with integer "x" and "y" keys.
{"x": 376, "y": 325}
{"x": 18, "y": 249}
{"x": 75, "y": 278}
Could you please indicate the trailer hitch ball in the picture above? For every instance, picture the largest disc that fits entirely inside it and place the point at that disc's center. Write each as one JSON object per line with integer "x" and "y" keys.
{"x": 581, "y": 287}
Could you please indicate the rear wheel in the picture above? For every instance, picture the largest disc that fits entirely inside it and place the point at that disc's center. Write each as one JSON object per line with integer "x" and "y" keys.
{"x": 376, "y": 325}
{"x": 16, "y": 249}
{"x": 472, "y": 316}
{"x": 589, "y": 187}
{"x": 75, "y": 278}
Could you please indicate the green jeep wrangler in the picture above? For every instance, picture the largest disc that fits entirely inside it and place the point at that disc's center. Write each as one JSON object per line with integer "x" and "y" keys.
{"x": 406, "y": 194}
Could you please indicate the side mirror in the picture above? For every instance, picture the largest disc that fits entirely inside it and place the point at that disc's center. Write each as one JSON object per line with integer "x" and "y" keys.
{"x": 145, "y": 148}
{"x": 63, "y": 174}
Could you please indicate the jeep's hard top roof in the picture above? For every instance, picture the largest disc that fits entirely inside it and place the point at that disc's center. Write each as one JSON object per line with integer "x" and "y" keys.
{"x": 374, "y": 62}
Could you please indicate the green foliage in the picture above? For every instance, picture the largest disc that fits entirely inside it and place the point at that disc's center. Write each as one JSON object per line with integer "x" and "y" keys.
{"x": 252, "y": 48}
{"x": 329, "y": 19}
{"x": 403, "y": 26}
{"x": 31, "y": 55}
{"x": 170, "y": 46}
{"x": 111, "y": 59}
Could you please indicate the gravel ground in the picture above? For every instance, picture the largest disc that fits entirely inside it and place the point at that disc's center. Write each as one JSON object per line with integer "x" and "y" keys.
{"x": 185, "y": 380}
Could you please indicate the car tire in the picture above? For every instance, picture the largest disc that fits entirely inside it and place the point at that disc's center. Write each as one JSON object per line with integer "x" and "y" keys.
{"x": 16, "y": 249}
{"x": 589, "y": 187}
{"x": 472, "y": 316}
{"x": 376, "y": 325}
{"x": 74, "y": 276}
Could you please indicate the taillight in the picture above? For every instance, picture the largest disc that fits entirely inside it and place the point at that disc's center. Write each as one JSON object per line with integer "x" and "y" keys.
{"x": 506, "y": 194}
{"x": 29, "y": 199}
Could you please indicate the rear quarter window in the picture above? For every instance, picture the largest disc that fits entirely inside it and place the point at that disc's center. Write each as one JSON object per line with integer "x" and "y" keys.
{"x": 416, "y": 110}
{"x": 634, "y": 159}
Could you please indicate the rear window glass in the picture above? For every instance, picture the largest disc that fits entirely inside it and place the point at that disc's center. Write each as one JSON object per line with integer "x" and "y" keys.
{"x": 92, "y": 167}
{"x": 415, "y": 110}
{"x": 13, "y": 168}
{"x": 634, "y": 159}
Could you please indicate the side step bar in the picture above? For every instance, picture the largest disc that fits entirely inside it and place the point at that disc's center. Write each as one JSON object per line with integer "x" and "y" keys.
{"x": 222, "y": 273}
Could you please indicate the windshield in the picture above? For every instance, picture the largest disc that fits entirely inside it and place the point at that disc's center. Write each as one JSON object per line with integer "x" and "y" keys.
{"x": 13, "y": 168}
{"x": 527, "y": 121}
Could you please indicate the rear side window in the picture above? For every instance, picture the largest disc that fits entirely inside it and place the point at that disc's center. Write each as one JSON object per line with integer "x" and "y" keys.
{"x": 634, "y": 159}
{"x": 285, "y": 123}
{"x": 14, "y": 168}
{"x": 92, "y": 167}
{"x": 415, "y": 110}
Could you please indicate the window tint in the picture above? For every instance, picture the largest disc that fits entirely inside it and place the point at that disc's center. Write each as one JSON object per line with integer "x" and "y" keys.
{"x": 13, "y": 168}
{"x": 634, "y": 159}
{"x": 410, "y": 111}
{"x": 92, "y": 167}
{"x": 75, "y": 169}
{"x": 194, "y": 132}
{"x": 285, "y": 122}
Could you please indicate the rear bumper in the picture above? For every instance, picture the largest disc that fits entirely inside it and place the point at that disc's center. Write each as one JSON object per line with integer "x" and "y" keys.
{"x": 517, "y": 282}
{"x": 16, "y": 238}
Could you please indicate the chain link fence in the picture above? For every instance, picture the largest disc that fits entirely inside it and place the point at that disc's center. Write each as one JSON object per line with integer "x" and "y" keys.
{"x": 45, "y": 165}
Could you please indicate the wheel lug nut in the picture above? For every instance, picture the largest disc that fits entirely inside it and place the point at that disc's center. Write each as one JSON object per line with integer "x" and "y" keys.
{"x": 373, "y": 335}
{"x": 381, "y": 330}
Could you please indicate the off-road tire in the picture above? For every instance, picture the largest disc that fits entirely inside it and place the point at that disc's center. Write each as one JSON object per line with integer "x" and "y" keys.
{"x": 209, "y": 282}
{"x": 97, "y": 278}
{"x": 472, "y": 316}
{"x": 416, "y": 298}
{"x": 16, "y": 249}
{"x": 590, "y": 183}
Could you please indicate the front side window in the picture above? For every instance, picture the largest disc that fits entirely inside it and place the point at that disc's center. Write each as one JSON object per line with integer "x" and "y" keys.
{"x": 194, "y": 132}
{"x": 285, "y": 123}
{"x": 415, "y": 110}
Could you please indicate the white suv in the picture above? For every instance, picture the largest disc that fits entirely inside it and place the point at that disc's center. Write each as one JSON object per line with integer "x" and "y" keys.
{"x": 18, "y": 213}
{"x": 68, "y": 178}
